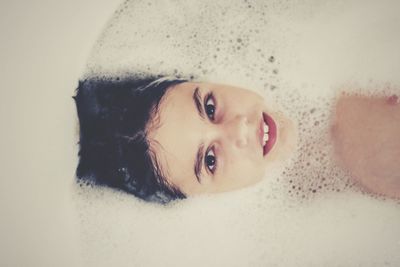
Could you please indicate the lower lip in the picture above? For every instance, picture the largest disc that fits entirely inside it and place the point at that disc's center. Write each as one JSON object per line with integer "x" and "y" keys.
{"x": 271, "y": 134}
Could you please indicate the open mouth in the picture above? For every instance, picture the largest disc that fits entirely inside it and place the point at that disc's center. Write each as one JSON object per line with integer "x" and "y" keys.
{"x": 268, "y": 133}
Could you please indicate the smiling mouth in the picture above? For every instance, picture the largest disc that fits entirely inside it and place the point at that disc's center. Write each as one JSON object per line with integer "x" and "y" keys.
{"x": 268, "y": 133}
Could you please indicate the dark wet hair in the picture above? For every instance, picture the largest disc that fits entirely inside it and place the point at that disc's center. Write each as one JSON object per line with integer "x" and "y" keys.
{"x": 114, "y": 150}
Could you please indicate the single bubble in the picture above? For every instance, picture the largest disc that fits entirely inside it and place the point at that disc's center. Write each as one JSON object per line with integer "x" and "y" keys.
{"x": 271, "y": 59}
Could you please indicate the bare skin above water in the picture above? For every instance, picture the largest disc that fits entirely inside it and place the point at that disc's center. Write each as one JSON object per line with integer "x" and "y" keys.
{"x": 366, "y": 137}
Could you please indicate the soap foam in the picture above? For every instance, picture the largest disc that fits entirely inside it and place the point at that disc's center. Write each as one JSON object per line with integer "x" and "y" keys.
{"x": 298, "y": 55}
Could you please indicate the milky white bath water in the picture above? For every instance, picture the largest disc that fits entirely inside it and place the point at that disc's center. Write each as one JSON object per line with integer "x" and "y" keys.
{"x": 298, "y": 55}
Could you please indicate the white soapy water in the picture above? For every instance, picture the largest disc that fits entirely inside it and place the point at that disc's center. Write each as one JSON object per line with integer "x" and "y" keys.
{"x": 298, "y": 55}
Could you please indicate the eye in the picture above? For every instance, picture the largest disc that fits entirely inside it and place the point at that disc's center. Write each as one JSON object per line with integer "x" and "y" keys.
{"x": 210, "y": 160}
{"x": 209, "y": 106}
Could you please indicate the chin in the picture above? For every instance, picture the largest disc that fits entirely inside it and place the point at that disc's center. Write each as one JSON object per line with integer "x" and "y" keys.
{"x": 286, "y": 142}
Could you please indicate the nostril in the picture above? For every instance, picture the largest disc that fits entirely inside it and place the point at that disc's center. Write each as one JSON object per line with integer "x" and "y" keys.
{"x": 236, "y": 131}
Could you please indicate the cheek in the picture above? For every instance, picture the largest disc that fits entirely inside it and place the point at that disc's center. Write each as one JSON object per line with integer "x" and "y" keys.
{"x": 245, "y": 100}
{"x": 244, "y": 170}
{"x": 255, "y": 171}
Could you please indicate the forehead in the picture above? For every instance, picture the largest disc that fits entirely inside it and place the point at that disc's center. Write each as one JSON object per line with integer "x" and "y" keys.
{"x": 174, "y": 135}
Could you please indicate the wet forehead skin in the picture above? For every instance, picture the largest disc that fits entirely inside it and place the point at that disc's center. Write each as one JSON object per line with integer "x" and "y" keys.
{"x": 182, "y": 132}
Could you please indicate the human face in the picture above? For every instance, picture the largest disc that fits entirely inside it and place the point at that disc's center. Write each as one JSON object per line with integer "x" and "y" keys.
{"x": 209, "y": 138}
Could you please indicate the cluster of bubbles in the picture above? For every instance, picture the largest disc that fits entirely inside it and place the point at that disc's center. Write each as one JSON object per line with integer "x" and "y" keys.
{"x": 206, "y": 41}
{"x": 313, "y": 171}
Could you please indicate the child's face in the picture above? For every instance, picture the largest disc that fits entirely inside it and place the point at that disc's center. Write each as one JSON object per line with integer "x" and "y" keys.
{"x": 209, "y": 138}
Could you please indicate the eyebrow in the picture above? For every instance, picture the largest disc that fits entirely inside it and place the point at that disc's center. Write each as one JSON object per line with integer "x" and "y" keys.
{"x": 198, "y": 164}
{"x": 197, "y": 101}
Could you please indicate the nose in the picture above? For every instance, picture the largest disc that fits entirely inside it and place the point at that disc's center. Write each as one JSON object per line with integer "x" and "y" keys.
{"x": 236, "y": 131}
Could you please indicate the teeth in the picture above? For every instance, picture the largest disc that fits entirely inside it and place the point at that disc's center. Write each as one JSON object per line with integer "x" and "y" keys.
{"x": 266, "y": 128}
{"x": 265, "y": 138}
